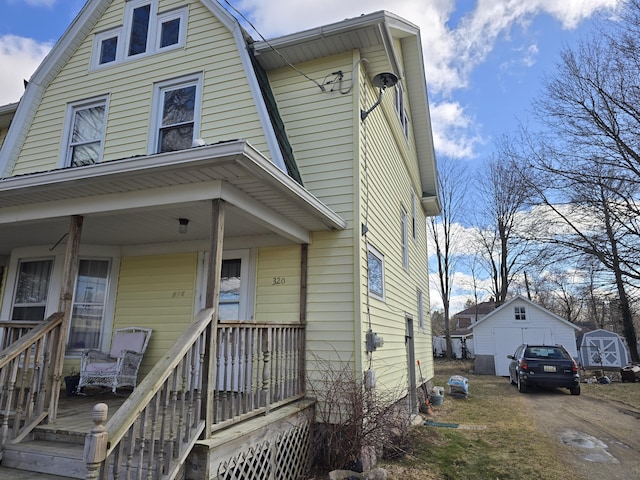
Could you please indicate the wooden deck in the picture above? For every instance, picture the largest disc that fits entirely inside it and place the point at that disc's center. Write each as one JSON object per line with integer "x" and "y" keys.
{"x": 74, "y": 413}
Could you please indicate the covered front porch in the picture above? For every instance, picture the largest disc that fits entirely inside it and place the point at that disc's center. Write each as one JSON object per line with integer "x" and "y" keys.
{"x": 215, "y": 372}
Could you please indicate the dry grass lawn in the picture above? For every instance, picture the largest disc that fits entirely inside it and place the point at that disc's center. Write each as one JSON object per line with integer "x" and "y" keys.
{"x": 495, "y": 439}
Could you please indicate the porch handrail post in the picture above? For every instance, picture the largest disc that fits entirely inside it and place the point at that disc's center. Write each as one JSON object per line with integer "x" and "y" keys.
{"x": 69, "y": 272}
{"x": 214, "y": 270}
{"x": 96, "y": 441}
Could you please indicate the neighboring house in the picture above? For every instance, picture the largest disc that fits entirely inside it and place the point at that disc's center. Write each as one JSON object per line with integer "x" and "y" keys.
{"x": 602, "y": 349}
{"x": 165, "y": 170}
{"x": 468, "y": 316}
{"x": 515, "y": 322}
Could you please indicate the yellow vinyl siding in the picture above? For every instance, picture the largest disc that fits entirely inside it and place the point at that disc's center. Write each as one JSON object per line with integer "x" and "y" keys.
{"x": 324, "y": 154}
{"x": 157, "y": 292}
{"x": 278, "y": 284}
{"x": 228, "y": 110}
{"x": 388, "y": 186}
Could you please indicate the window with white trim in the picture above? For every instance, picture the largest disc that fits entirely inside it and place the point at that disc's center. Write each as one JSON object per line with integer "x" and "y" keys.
{"x": 520, "y": 313}
{"x": 144, "y": 32}
{"x": 405, "y": 239}
{"x": 85, "y": 131}
{"x": 32, "y": 290}
{"x": 401, "y": 109}
{"x": 420, "y": 311}
{"x": 176, "y": 114}
{"x": 375, "y": 274}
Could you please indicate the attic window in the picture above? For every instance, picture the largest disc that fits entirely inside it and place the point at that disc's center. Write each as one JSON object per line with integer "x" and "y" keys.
{"x": 520, "y": 314}
{"x": 144, "y": 32}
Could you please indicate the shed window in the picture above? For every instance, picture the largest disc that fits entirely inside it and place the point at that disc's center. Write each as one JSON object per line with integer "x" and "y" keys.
{"x": 520, "y": 313}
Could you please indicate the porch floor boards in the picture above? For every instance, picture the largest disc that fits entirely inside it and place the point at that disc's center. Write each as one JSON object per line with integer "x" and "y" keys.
{"x": 74, "y": 413}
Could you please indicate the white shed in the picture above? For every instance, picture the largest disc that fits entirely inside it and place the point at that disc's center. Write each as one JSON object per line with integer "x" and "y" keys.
{"x": 517, "y": 321}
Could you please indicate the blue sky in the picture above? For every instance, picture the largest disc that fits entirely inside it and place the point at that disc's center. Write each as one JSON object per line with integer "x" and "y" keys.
{"x": 484, "y": 59}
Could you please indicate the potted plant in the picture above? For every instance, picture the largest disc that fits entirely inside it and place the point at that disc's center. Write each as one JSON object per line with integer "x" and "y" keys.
{"x": 71, "y": 381}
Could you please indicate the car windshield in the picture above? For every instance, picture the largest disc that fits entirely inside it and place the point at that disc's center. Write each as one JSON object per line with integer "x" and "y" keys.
{"x": 545, "y": 352}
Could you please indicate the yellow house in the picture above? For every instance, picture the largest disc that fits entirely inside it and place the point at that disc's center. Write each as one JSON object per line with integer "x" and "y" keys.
{"x": 259, "y": 205}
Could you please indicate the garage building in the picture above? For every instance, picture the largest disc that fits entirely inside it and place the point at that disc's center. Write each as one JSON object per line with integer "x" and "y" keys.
{"x": 517, "y": 321}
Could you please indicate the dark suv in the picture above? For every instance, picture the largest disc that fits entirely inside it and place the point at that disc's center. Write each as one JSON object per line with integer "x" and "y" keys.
{"x": 544, "y": 366}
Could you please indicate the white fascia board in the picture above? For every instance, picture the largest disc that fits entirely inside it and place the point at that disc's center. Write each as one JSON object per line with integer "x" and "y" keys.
{"x": 112, "y": 202}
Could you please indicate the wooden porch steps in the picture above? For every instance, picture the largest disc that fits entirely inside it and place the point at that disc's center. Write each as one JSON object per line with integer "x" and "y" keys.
{"x": 52, "y": 450}
{"x": 13, "y": 474}
{"x": 46, "y": 457}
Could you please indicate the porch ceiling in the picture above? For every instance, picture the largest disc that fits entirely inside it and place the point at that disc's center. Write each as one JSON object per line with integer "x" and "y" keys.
{"x": 139, "y": 200}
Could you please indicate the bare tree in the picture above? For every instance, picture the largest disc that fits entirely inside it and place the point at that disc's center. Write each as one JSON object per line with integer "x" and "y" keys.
{"x": 443, "y": 231}
{"x": 592, "y": 159}
{"x": 503, "y": 251}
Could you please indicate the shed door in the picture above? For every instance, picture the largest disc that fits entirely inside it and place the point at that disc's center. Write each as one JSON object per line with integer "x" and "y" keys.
{"x": 604, "y": 350}
{"x": 507, "y": 339}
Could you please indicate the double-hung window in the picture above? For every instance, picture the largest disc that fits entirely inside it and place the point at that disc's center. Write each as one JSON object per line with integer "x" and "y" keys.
{"x": 144, "y": 32}
{"x": 375, "y": 263}
{"x": 32, "y": 288}
{"x": 520, "y": 313}
{"x": 177, "y": 113}
{"x": 85, "y": 132}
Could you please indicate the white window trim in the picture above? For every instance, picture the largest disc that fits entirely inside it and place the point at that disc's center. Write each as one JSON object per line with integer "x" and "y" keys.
{"x": 53, "y": 297}
{"x": 128, "y": 23}
{"x": 156, "y": 114}
{"x": 97, "y": 47}
{"x": 404, "y": 221}
{"x": 376, "y": 253}
{"x": 153, "y": 35}
{"x": 65, "y": 150}
{"x": 520, "y": 311}
{"x": 182, "y": 35}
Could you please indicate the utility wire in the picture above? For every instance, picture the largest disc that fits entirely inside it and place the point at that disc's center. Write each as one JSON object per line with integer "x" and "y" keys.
{"x": 274, "y": 48}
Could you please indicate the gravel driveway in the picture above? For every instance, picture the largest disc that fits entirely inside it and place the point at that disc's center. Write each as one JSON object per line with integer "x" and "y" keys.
{"x": 601, "y": 437}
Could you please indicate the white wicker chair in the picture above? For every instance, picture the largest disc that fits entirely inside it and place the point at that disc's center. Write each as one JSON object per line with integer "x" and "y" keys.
{"x": 119, "y": 367}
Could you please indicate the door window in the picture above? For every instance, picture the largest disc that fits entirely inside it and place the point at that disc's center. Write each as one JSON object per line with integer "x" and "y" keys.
{"x": 89, "y": 304}
{"x": 230, "y": 281}
{"x": 32, "y": 288}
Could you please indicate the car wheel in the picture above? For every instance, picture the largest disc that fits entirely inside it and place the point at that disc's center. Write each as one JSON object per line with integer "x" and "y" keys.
{"x": 575, "y": 390}
{"x": 522, "y": 387}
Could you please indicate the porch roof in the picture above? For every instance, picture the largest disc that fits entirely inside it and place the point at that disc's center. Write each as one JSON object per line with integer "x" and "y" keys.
{"x": 139, "y": 200}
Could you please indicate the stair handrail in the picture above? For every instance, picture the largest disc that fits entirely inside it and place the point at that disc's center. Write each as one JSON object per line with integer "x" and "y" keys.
{"x": 29, "y": 403}
{"x": 141, "y": 397}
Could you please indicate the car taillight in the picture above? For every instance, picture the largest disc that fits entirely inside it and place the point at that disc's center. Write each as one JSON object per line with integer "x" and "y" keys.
{"x": 523, "y": 364}
{"x": 575, "y": 367}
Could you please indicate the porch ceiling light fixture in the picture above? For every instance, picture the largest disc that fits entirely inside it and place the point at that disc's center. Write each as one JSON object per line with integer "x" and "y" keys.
{"x": 382, "y": 81}
{"x": 183, "y": 225}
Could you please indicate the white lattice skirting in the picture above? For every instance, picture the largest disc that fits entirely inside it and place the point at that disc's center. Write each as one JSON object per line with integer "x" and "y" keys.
{"x": 284, "y": 458}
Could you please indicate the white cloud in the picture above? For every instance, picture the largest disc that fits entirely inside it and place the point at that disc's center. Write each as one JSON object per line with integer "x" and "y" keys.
{"x": 35, "y": 3}
{"x": 454, "y": 132}
{"x": 20, "y": 56}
